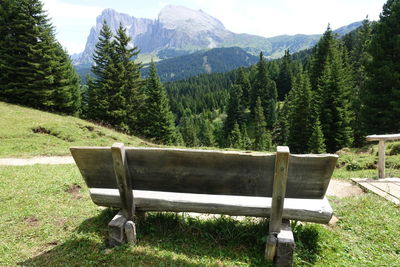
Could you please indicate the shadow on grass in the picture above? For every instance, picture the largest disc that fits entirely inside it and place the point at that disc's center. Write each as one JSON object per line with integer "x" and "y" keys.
{"x": 167, "y": 239}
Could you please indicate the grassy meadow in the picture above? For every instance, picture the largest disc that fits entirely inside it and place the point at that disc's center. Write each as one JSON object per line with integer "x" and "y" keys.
{"x": 48, "y": 218}
{"x": 26, "y": 132}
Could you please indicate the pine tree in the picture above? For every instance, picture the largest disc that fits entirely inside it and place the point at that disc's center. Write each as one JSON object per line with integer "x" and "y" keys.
{"x": 316, "y": 142}
{"x": 235, "y": 110}
{"x": 284, "y": 81}
{"x": 159, "y": 125}
{"x": 206, "y": 133}
{"x": 360, "y": 58}
{"x": 300, "y": 115}
{"x": 319, "y": 56}
{"x": 244, "y": 82}
{"x": 34, "y": 69}
{"x": 281, "y": 128}
{"x": 246, "y": 141}
{"x": 235, "y": 139}
{"x": 334, "y": 88}
{"x": 99, "y": 86}
{"x": 265, "y": 88}
{"x": 189, "y": 132}
{"x": 381, "y": 98}
{"x": 262, "y": 140}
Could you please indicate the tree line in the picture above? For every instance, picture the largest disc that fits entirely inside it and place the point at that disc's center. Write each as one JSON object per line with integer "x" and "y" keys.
{"x": 318, "y": 100}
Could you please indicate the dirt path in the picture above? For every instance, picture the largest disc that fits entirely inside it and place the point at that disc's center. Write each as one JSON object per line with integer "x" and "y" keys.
{"x": 336, "y": 188}
{"x": 341, "y": 188}
{"x": 36, "y": 160}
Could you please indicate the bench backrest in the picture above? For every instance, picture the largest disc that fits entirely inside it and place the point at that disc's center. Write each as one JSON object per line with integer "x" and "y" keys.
{"x": 206, "y": 172}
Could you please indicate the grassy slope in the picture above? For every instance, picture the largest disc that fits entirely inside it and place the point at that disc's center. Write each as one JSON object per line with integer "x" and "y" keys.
{"x": 18, "y": 139}
{"x": 45, "y": 225}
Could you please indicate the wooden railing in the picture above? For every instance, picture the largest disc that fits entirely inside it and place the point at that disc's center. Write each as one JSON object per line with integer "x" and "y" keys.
{"x": 381, "y": 152}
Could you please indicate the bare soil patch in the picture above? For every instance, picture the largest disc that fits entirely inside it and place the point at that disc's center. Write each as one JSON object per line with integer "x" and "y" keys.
{"x": 31, "y": 221}
{"x": 74, "y": 190}
{"x": 340, "y": 188}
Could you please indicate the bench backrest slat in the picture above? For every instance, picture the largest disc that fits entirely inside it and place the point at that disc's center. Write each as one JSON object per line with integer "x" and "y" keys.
{"x": 206, "y": 172}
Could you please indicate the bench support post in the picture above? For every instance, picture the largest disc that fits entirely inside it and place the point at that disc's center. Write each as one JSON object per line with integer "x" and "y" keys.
{"x": 278, "y": 197}
{"x": 122, "y": 227}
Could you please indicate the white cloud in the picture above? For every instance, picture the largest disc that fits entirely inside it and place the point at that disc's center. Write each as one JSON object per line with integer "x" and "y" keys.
{"x": 59, "y": 9}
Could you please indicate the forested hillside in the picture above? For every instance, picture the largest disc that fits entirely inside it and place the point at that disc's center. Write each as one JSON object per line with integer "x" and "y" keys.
{"x": 321, "y": 99}
{"x": 211, "y": 61}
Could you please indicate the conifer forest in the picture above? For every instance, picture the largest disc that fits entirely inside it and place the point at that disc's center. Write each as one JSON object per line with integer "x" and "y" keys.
{"x": 318, "y": 100}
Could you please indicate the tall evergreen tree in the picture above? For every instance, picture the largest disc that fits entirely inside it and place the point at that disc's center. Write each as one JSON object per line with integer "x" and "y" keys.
{"x": 127, "y": 95}
{"x": 235, "y": 139}
{"x": 300, "y": 115}
{"x": 284, "y": 81}
{"x": 244, "y": 82}
{"x": 360, "y": 59}
{"x": 334, "y": 88}
{"x": 262, "y": 140}
{"x": 265, "y": 88}
{"x": 34, "y": 69}
{"x": 235, "y": 110}
{"x": 99, "y": 86}
{"x": 319, "y": 56}
{"x": 381, "y": 98}
{"x": 159, "y": 125}
{"x": 316, "y": 143}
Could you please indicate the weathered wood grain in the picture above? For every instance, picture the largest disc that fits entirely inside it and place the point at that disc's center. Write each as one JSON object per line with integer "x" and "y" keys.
{"x": 386, "y": 137}
{"x": 278, "y": 198}
{"x": 381, "y": 161}
{"x": 207, "y": 172}
{"x": 376, "y": 186}
{"x": 308, "y": 210}
{"x": 123, "y": 179}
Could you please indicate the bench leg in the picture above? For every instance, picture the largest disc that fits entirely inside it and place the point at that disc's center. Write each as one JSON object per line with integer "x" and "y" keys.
{"x": 280, "y": 247}
{"x": 120, "y": 230}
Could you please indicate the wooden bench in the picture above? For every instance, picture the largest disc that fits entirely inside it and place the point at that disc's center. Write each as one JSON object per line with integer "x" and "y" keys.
{"x": 280, "y": 186}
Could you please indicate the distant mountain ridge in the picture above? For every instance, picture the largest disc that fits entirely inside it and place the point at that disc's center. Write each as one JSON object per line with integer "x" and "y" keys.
{"x": 182, "y": 29}
{"x": 202, "y": 62}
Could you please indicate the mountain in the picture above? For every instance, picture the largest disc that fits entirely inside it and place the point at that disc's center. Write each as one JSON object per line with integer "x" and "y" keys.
{"x": 179, "y": 30}
{"x": 213, "y": 60}
{"x": 200, "y": 62}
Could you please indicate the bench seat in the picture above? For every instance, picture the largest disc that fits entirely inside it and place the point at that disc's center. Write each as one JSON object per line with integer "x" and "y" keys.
{"x": 310, "y": 210}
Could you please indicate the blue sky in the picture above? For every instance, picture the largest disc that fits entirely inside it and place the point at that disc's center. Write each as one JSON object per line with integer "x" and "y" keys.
{"x": 74, "y": 18}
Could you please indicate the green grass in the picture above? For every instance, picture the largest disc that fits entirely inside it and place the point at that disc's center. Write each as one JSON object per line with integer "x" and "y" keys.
{"x": 362, "y": 162}
{"x": 48, "y": 219}
{"x": 26, "y": 132}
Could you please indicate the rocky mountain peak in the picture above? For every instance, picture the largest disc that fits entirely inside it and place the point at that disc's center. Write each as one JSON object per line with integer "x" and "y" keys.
{"x": 180, "y": 17}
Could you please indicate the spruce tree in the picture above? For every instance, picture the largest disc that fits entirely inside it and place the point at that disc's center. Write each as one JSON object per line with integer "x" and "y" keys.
{"x": 360, "y": 58}
{"x": 300, "y": 115}
{"x": 265, "y": 88}
{"x": 34, "y": 69}
{"x": 334, "y": 89}
{"x": 189, "y": 132}
{"x": 284, "y": 81}
{"x": 99, "y": 86}
{"x": 206, "y": 133}
{"x": 159, "y": 125}
{"x": 381, "y": 97}
{"x": 235, "y": 109}
{"x": 244, "y": 82}
{"x": 262, "y": 136}
{"x": 319, "y": 56}
{"x": 235, "y": 139}
{"x": 316, "y": 142}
